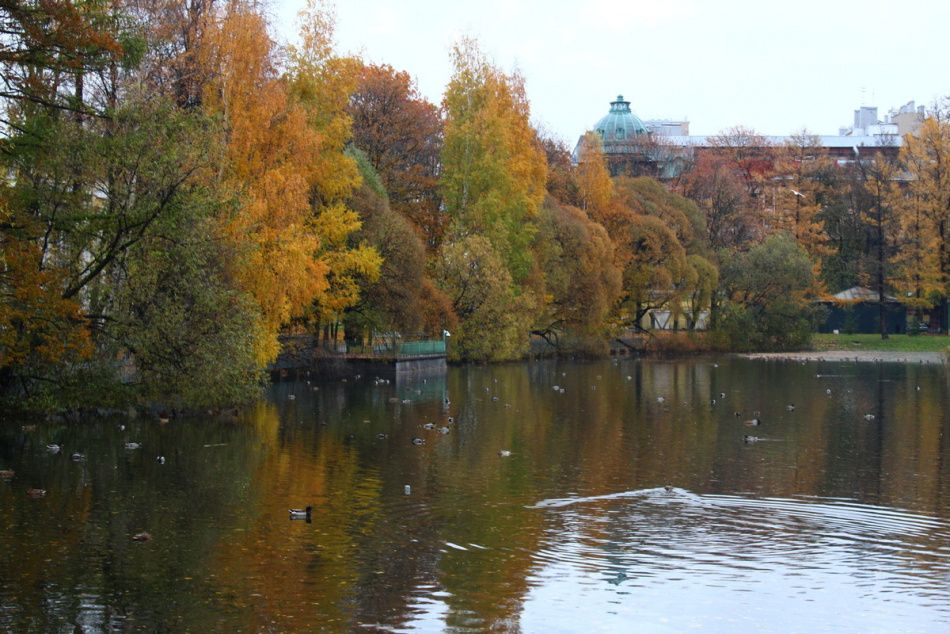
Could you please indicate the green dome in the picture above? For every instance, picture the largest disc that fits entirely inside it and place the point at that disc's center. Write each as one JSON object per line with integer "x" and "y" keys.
{"x": 620, "y": 124}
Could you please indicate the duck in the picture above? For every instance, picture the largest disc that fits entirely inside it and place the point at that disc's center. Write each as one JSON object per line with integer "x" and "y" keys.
{"x": 6, "y": 473}
{"x": 749, "y": 439}
{"x": 301, "y": 514}
{"x": 418, "y": 441}
{"x": 790, "y": 408}
{"x": 869, "y": 417}
{"x": 77, "y": 457}
{"x": 53, "y": 448}
{"x": 160, "y": 459}
{"x": 382, "y": 436}
{"x": 443, "y": 430}
{"x": 429, "y": 426}
{"x": 669, "y": 488}
{"x": 132, "y": 445}
{"x": 36, "y": 493}
{"x": 755, "y": 422}
{"x": 504, "y": 453}
{"x": 142, "y": 537}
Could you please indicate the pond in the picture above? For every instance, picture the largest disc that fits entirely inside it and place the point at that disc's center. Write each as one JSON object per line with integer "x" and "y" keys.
{"x": 619, "y": 495}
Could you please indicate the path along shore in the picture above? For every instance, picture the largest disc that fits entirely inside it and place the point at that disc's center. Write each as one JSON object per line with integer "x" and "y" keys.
{"x": 876, "y": 356}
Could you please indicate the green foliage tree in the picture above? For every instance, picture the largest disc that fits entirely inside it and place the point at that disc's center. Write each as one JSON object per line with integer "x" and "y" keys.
{"x": 767, "y": 306}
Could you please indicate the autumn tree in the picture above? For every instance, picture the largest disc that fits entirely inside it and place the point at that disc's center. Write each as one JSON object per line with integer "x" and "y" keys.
{"x": 493, "y": 185}
{"x": 800, "y": 190}
{"x": 593, "y": 178}
{"x": 750, "y": 153}
{"x": 401, "y": 134}
{"x": 582, "y": 281}
{"x": 493, "y": 321}
{"x": 561, "y": 183}
{"x": 493, "y": 167}
{"x": 874, "y": 196}
{"x": 50, "y": 47}
{"x": 653, "y": 231}
{"x": 402, "y": 298}
{"x": 926, "y": 213}
{"x": 720, "y": 190}
{"x": 284, "y": 141}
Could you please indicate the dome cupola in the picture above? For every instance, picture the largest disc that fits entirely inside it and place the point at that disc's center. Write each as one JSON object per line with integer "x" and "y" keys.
{"x": 619, "y": 125}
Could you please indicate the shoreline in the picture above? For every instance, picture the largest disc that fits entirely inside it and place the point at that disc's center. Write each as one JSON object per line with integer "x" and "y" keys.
{"x": 867, "y": 356}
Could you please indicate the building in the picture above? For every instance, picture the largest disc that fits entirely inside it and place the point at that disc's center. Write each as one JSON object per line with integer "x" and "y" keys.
{"x": 659, "y": 147}
{"x": 857, "y": 311}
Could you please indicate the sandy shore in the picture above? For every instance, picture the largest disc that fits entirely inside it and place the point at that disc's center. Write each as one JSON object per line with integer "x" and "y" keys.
{"x": 854, "y": 355}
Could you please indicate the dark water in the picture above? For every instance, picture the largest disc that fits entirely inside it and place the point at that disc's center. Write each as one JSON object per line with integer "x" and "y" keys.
{"x": 836, "y": 519}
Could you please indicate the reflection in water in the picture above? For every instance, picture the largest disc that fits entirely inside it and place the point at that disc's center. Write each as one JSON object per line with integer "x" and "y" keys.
{"x": 543, "y": 507}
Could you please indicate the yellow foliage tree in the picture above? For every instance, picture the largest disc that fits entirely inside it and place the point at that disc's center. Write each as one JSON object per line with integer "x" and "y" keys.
{"x": 494, "y": 170}
{"x": 926, "y": 214}
{"x": 593, "y": 177}
{"x": 800, "y": 191}
{"x": 322, "y": 82}
{"x": 285, "y": 164}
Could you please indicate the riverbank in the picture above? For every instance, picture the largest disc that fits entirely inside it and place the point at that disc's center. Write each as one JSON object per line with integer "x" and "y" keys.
{"x": 874, "y": 356}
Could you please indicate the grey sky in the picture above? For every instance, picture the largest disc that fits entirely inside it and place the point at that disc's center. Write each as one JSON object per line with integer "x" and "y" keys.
{"x": 774, "y": 67}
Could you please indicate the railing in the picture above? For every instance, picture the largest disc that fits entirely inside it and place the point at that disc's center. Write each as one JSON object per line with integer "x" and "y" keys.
{"x": 398, "y": 349}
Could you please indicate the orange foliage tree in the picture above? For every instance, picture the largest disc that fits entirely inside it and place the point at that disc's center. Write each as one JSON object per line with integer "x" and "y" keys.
{"x": 284, "y": 161}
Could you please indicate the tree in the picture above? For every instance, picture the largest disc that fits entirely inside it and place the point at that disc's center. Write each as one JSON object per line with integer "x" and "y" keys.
{"x": 50, "y": 46}
{"x": 593, "y": 178}
{"x": 561, "y": 183}
{"x": 493, "y": 321}
{"x": 493, "y": 167}
{"x": 719, "y": 188}
{"x": 582, "y": 283}
{"x": 702, "y": 280}
{"x": 750, "y": 153}
{"x": 766, "y": 290}
{"x": 654, "y": 269}
{"x": 926, "y": 216}
{"x": 284, "y": 139}
{"x": 876, "y": 197}
{"x": 800, "y": 190}
{"x": 85, "y": 195}
{"x": 402, "y": 298}
{"x": 401, "y": 134}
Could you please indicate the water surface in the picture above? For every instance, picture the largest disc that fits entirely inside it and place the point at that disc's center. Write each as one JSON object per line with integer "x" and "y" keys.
{"x": 625, "y": 498}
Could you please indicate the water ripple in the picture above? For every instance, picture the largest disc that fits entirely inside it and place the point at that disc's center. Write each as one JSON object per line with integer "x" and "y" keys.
{"x": 738, "y": 541}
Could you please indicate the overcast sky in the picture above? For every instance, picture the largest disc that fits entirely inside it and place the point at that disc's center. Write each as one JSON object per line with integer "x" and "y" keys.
{"x": 774, "y": 67}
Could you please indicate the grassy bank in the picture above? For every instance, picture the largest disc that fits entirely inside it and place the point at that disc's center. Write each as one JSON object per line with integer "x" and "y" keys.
{"x": 894, "y": 343}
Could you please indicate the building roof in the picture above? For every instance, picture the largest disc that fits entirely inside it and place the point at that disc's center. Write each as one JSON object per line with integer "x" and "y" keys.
{"x": 861, "y": 294}
{"x": 619, "y": 125}
{"x": 828, "y": 141}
